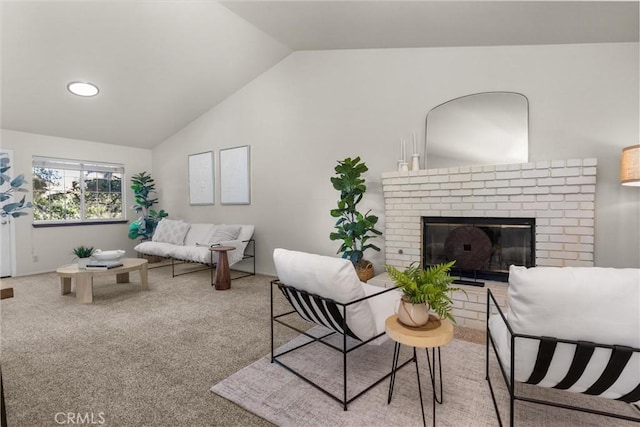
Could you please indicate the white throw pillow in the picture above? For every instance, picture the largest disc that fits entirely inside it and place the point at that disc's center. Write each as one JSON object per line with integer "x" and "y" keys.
{"x": 199, "y": 233}
{"x": 225, "y": 233}
{"x": 169, "y": 231}
{"x": 329, "y": 277}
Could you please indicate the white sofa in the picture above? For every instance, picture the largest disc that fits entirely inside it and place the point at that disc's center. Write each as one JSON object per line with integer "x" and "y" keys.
{"x": 183, "y": 241}
{"x": 582, "y": 327}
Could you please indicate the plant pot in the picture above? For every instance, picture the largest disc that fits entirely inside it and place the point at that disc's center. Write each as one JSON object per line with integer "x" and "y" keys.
{"x": 364, "y": 269}
{"x": 414, "y": 315}
{"x": 82, "y": 263}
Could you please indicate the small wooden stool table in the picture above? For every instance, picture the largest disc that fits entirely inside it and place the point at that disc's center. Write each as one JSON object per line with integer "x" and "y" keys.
{"x": 223, "y": 274}
{"x": 84, "y": 277}
{"x": 430, "y": 336}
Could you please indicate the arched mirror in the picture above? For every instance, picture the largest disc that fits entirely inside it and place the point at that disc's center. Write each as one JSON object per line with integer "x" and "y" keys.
{"x": 487, "y": 128}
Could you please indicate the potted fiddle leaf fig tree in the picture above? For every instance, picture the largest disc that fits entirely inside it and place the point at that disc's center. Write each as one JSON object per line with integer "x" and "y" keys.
{"x": 353, "y": 228}
{"x": 424, "y": 289}
{"x": 143, "y": 187}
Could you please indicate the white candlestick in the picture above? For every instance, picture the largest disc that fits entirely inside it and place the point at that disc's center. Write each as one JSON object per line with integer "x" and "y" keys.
{"x": 415, "y": 146}
{"x": 415, "y": 162}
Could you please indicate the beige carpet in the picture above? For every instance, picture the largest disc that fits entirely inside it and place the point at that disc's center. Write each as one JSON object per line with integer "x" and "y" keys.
{"x": 270, "y": 391}
{"x": 139, "y": 358}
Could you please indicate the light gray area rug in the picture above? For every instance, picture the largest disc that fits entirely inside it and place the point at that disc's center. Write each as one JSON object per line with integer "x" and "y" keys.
{"x": 271, "y": 392}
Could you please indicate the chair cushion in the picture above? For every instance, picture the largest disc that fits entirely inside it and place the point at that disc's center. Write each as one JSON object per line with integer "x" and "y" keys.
{"x": 382, "y": 306}
{"x": 329, "y": 277}
{"x": 200, "y": 254}
{"x": 246, "y": 232}
{"x": 170, "y": 231}
{"x": 594, "y": 304}
{"x": 155, "y": 248}
{"x": 580, "y": 303}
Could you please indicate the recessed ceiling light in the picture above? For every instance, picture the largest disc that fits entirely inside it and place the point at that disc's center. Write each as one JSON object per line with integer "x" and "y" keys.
{"x": 83, "y": 89}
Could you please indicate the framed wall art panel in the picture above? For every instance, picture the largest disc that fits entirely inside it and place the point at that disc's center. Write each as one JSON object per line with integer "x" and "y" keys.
{"x": 235, "y": 176}
{"x": 201, "y": 179}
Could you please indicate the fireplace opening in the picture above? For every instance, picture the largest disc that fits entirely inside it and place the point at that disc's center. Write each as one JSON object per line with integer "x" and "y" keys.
{"x": 483, "y": 248}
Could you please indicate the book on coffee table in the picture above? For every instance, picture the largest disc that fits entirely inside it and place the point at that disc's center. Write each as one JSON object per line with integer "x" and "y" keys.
{"x": 103, "y": 265}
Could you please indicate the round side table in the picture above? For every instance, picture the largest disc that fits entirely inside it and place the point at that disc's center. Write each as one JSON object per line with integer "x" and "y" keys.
{"x": 425, "y": 337}
{"x": 223, "y": 274}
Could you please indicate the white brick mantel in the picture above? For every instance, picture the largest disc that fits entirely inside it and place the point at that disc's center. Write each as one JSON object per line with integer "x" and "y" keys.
{"x": 559, "y": 194}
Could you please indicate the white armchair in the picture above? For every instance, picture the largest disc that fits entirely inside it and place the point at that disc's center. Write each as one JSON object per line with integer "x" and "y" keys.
{"x": 326, "y": 291}
{"x": 571, "y": 328}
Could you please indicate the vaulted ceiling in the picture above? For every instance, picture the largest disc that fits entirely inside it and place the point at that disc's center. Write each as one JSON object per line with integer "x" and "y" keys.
{"x": 161, "y": 64}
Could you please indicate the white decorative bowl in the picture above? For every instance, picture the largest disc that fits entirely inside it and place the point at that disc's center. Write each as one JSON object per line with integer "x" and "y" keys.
{"x": 101, "y": 255}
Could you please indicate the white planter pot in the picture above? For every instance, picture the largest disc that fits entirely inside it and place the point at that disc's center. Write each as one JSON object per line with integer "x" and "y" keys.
{"x": 82, "y": 263}
{"x": 414, "y": 315}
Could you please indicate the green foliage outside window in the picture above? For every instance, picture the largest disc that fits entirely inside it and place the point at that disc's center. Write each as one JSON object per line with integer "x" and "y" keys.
{"x": 76, "y": 195}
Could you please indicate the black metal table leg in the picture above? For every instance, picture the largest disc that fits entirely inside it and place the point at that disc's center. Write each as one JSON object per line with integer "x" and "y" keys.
{"x": 394, "y": 367}
{"x": 432, "y": 372}
{"x": 396, "y": 354}
{"x": 3, "y": 411}
{"x": 424, "y": 420}
{"x": 437, "y": 366}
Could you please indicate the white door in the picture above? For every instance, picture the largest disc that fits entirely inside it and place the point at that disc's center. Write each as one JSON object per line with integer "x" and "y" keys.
{"x": 6, "y": 234}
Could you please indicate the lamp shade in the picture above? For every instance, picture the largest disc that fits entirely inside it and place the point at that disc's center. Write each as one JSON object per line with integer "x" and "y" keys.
{"x": 630, "y": 166}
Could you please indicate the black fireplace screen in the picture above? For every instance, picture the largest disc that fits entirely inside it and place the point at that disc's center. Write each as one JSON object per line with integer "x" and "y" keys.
{"x": 483, "y": 248}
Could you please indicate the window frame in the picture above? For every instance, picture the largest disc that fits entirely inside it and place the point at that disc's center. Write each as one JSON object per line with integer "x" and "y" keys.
{"x": 82, "y": 167}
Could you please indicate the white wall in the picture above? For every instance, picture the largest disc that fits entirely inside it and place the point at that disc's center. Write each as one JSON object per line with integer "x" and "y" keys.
{"x": 53, "y": 245}
{"x": 314, "y": 108}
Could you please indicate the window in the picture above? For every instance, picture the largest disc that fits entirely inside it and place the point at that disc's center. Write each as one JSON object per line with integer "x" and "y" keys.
{"x": 75, "y": 191}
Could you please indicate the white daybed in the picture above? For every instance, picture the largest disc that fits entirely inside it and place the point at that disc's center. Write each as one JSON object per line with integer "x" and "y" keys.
{"x": 185, "y": 242}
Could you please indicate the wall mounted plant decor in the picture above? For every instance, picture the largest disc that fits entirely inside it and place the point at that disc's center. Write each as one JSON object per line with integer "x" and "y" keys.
{"x": 8, "y": 188}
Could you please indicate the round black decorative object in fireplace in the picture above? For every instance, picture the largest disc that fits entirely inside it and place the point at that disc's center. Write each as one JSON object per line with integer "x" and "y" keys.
{"x": 469, "y": 246}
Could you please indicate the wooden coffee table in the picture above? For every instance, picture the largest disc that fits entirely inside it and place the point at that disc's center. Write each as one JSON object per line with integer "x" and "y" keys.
{"x": 84, "y": 278}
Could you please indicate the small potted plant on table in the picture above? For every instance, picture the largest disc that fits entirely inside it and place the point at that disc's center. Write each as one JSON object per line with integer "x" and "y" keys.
{"x": 424, "y": 289}
{"x": 84, "y": 255}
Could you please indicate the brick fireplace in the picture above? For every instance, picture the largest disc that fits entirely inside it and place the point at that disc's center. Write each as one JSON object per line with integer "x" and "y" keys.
{"x": 559, "y": 194}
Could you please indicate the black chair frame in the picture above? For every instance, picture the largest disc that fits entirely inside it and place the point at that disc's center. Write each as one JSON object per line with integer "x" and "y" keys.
{"x": 334, "y": 307}
{"x": 543, "y": 359}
